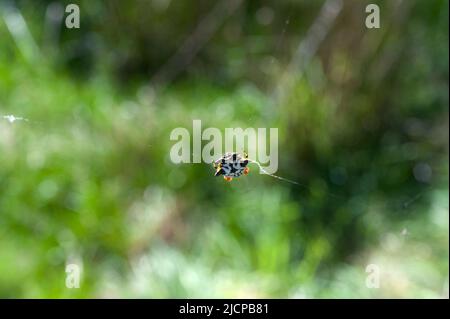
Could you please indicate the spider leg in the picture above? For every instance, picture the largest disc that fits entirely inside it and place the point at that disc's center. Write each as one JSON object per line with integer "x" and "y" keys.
{"x": 227, "y": 178}
{"x": 246, "y": 171}
{"x": 219, "y": 171}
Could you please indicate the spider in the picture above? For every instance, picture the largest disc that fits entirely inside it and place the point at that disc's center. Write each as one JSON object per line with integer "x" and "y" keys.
{"x": 231, "y": 165}
{"x": 234, "y": 165}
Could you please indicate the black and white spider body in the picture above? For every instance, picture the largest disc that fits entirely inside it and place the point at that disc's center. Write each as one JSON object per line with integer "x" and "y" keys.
{"x": 231, "y": 165}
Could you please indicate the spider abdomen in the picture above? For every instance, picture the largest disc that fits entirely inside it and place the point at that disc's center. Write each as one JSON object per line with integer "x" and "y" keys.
{"x": 231, "y": 165}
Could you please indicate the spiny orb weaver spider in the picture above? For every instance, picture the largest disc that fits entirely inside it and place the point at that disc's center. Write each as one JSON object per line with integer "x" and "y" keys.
{"x": 231, "y": 165}
{"x": 234, "y": 165}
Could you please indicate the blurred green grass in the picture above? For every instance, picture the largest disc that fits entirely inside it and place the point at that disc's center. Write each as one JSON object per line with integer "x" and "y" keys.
{"x": 88, "y": 178}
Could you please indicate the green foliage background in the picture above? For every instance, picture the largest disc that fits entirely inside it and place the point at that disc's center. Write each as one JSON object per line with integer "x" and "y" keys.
{"x": 88, "y": 178}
